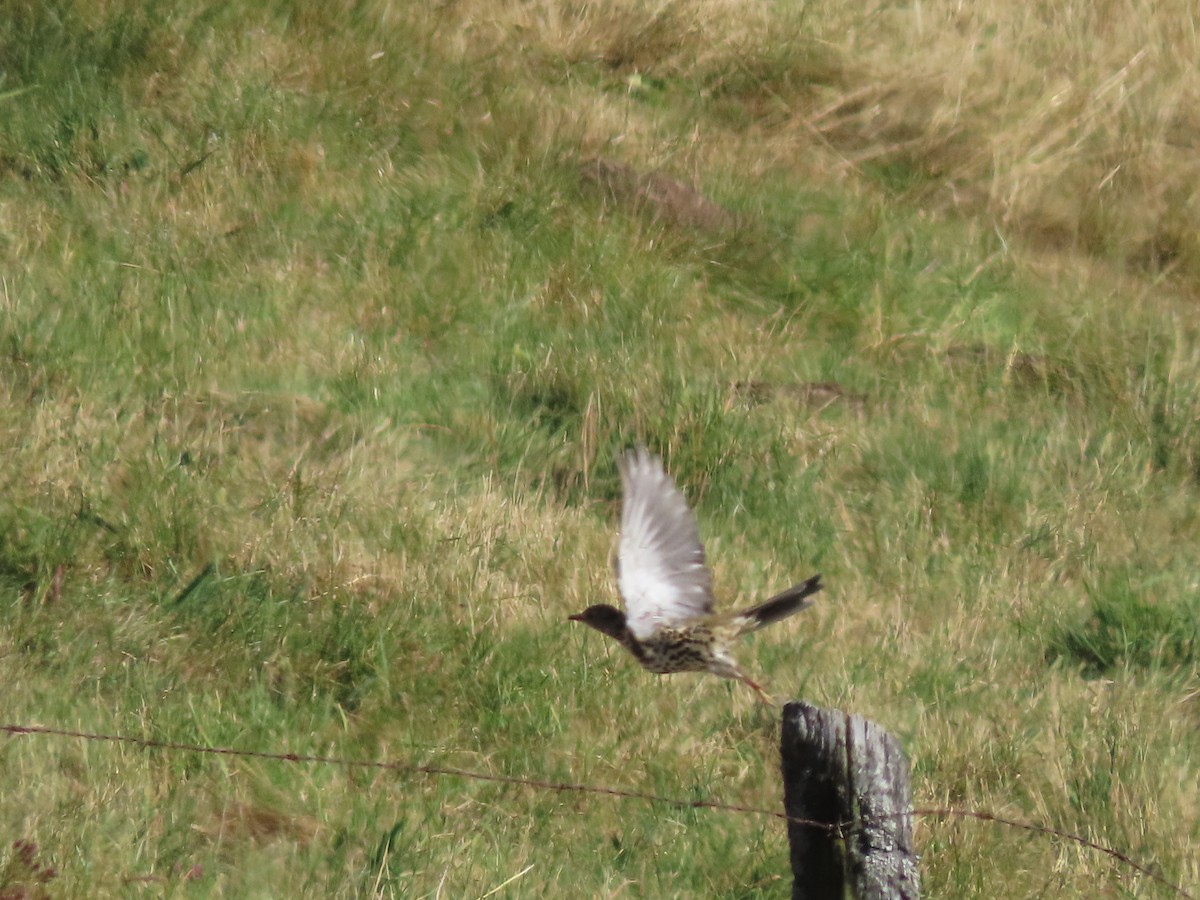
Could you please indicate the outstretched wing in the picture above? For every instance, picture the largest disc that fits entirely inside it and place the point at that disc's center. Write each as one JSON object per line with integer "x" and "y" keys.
{"x": 660, "y": 565}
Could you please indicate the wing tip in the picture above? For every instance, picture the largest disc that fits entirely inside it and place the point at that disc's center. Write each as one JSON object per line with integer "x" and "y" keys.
{"x": 637, "y": 460}
{"x": 638, "y": 454}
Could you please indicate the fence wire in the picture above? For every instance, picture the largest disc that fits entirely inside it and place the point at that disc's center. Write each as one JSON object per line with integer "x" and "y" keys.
{"x": 437, "y": 771}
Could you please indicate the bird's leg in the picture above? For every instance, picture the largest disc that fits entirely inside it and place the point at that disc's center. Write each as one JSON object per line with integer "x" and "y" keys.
{"x": 758, "y": 689}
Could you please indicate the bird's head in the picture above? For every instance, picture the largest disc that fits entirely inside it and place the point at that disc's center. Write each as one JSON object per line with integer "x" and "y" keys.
{"x": 604, "y": 618}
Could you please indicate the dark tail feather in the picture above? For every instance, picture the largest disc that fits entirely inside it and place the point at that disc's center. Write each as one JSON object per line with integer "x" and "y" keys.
{"x": 782, "y": 605}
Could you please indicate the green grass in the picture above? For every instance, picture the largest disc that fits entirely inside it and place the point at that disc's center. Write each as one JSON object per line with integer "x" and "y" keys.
{"x": 316, "y": 351}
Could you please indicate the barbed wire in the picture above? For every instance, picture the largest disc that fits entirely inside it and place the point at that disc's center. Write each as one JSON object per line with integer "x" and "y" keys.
{"x": 569, "y": 787}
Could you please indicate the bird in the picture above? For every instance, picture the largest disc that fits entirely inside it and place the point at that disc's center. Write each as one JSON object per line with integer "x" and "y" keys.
{"x": 668, "y": 624}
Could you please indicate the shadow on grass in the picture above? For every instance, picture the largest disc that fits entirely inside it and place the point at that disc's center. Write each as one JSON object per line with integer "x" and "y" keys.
{"x": 1127, "y": 626}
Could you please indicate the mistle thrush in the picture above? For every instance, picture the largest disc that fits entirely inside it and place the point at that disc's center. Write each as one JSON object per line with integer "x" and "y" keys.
{"x": 668, "y": 624}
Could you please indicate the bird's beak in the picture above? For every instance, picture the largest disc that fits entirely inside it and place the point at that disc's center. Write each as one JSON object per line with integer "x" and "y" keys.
{"x": 578, "y": 617}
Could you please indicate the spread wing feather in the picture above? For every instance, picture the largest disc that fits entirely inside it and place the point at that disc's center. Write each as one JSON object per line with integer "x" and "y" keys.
{"x": 661, "y": 571}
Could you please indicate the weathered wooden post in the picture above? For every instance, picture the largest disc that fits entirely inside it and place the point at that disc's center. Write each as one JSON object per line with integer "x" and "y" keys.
{"x": 852, "y": 776}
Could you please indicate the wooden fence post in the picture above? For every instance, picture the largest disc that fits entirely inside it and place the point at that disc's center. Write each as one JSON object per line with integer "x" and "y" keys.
{"x": 850, "y": 774}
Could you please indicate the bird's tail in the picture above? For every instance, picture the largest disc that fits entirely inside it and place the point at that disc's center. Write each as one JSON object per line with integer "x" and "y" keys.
{"x": 780, "y": 606}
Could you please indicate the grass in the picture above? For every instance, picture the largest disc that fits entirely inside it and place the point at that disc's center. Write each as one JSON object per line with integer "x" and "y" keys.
{"x": 316, "y": 348}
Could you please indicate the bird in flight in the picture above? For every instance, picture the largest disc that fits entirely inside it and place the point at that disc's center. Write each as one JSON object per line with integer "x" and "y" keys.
{"x": 668, "y": 623}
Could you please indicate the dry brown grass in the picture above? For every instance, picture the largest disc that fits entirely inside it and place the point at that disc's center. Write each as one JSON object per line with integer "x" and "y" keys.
{"x": 1073, "y": 127}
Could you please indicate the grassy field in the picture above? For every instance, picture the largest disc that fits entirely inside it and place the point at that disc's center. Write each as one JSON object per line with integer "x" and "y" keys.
{"x": 357, "y": 302}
